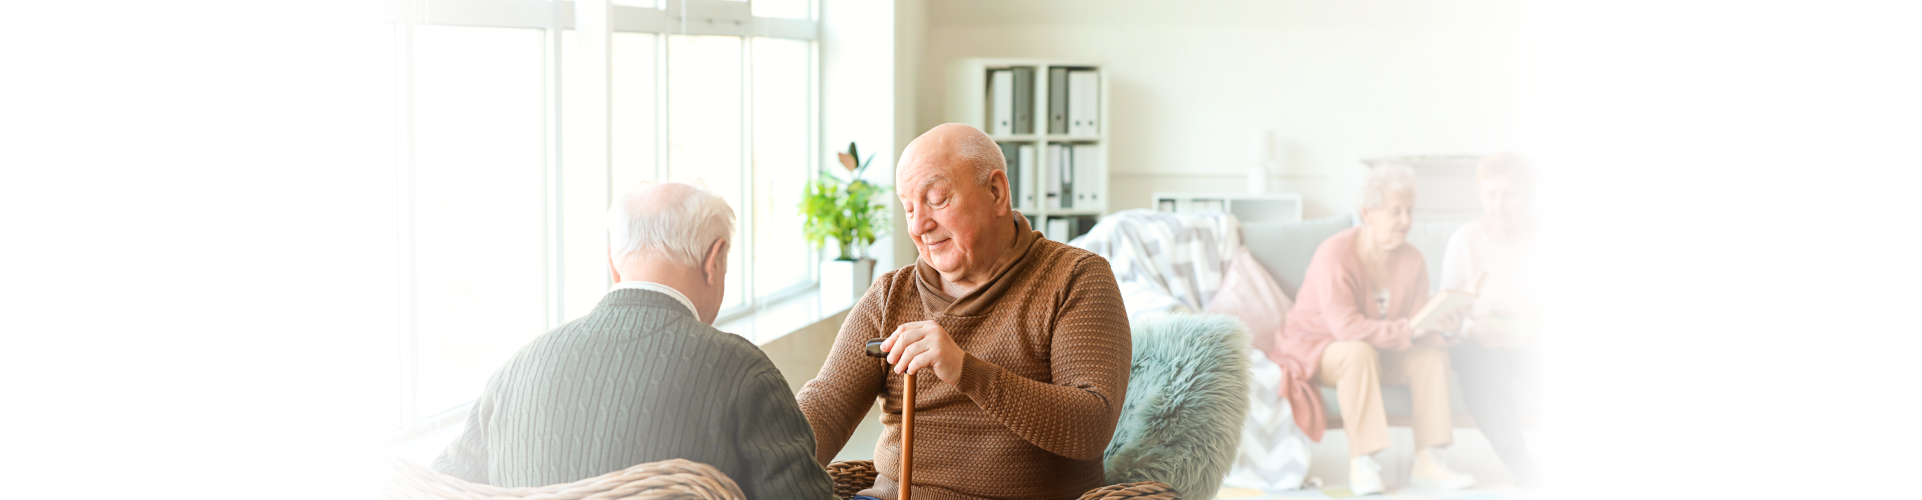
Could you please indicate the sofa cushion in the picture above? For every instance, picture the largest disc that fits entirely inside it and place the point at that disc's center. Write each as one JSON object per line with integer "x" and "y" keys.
{"x": 1187, "y": 400}
{"x": 1286, "y": 247}
{"x": 1248, "y": 291}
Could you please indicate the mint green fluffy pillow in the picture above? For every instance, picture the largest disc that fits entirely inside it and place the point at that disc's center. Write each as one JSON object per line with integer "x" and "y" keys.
{"x": 1187, "y": 397}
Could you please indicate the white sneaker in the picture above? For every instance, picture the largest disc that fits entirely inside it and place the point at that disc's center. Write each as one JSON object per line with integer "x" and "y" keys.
{"x": 1431, "y": 474}
{"x": 1364, "y": 476}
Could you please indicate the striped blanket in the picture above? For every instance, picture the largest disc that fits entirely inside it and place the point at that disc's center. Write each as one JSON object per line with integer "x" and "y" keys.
{"x": 1164, "y": 263}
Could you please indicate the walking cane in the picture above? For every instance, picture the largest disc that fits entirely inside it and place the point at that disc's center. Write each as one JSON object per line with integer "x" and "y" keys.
{"x": 907, "y": 423}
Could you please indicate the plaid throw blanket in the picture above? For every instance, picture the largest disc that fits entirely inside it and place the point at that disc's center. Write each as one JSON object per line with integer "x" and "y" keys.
{"x": 1163, "y": 262}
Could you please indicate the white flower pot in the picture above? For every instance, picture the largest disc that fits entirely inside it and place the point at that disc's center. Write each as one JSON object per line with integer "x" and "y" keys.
{"x": 845, "y": 280}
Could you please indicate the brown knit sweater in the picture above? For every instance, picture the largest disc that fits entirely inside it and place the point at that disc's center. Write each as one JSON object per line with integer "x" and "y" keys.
{"x": 1040, "y": 390}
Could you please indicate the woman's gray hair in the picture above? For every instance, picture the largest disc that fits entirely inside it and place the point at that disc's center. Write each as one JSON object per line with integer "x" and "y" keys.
{"x": 1383, "y": 179}
{"x": 676, "y": 223}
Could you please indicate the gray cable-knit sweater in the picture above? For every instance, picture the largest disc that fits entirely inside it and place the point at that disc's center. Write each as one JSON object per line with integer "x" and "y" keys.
{"x": 639, "y": 379}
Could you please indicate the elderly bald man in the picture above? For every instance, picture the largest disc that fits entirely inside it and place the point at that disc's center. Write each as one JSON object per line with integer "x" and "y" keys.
{"x": 1026, "y": 337}
{"x": 644, "y": 377}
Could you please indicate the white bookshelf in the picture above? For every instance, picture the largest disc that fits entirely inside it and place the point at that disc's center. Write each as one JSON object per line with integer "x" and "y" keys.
{"x": 1276, "y": 207}
{"x": 968, "y": 102}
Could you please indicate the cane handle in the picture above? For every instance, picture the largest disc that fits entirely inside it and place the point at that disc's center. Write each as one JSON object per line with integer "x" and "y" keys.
{"x": 873, "y": 348}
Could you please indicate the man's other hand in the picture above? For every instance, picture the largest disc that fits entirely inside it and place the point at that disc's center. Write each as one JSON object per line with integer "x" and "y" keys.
{"x": 924, "y": 344}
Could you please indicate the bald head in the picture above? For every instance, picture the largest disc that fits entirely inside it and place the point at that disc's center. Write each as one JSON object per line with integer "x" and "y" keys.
{"x": 953, "y": 150}
{"x": 671, "y": 221}
{"x": 953, "y": 185}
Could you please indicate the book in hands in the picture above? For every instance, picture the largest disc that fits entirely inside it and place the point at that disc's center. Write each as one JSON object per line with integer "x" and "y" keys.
{"x": 1430, "y": 316}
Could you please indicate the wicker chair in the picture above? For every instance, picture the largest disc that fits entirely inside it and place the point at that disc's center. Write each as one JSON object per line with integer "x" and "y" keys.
{"x": 856, "y": 475}
{"x": 665, "y": 480}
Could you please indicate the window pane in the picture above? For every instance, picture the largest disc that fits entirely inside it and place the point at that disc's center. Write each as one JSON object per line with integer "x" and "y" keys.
{"x": 797, "y": 9}
{"x": 634, "y": 94}
{"x": 586, "y": 188}
{"x": 477, "y": 202}
{"x": 704, "y": 129}
{"x": 780, "y": 162}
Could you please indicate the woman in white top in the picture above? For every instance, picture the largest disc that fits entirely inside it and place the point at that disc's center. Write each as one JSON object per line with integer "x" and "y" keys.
{"x": 1497, "y": 251}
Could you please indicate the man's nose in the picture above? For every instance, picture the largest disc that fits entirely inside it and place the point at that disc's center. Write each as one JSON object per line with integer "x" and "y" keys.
{"x": 919, "y": 222}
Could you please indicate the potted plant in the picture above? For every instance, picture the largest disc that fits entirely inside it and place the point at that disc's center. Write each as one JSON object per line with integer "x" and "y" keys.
{"x": 849, "y": 212}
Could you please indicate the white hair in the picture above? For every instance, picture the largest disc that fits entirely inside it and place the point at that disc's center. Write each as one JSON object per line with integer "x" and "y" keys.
{"x": 978, "y": 150}
{"x": 679, "y": 230}
{"x": 984, "y": 155}
{"x": 1383, "y": 179}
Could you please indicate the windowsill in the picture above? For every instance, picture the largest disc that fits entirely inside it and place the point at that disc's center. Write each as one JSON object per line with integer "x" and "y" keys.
{"x": 770, "y": 322}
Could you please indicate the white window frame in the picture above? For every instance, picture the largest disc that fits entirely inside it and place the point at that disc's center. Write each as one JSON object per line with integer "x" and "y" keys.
{"x": 702, "y": 17}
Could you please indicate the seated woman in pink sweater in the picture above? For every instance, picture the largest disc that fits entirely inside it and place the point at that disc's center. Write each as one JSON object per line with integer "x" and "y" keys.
{"x": 1349, "y": 329}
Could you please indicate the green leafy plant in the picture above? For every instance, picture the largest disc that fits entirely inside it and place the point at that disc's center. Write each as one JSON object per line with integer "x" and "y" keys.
{"x": 848, "y": 211}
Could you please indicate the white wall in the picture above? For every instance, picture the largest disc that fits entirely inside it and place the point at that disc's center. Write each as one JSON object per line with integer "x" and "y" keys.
{"x": 910, "y": 31}
{"x": 858, "y": 97}
{"x": 1191, "y": 82}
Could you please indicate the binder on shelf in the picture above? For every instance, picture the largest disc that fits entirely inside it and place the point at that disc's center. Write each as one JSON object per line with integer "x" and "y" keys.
{"x": 1059, "y": 229}
{"x": 1084, "y": 87}
{"x": 1008, "y": 152}
{"x": 1087, "y": 168}
{"x": 1052, "y": 176}
{"x": 1001, "y": 102}
{"x": 1024, "y": 195}
{"x": 1080, "y": 225}
{"x": 1057, "y": 100}
{"x": 1023, "y": 100}
{"x": 1067, "y": 176}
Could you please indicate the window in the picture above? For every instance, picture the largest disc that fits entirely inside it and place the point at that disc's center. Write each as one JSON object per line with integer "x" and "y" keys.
{"x": 503, "y": 233}
{"x": 587, "y": 188}
{"x": 783, "y": 80}
{"x": 476, "y": 203}
{"x": 704, "y": 127}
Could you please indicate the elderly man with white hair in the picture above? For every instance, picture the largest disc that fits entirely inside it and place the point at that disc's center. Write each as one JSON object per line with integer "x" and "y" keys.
{"x": 1026, "y": 338}
{"x": 1350, "y": 329}
{"x": 644, "y": 377}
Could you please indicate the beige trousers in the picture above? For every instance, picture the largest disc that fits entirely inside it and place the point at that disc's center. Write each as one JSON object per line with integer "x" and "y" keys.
{"x": 1357, "y": 371}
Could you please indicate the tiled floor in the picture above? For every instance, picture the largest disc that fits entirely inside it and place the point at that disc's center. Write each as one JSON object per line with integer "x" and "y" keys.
{"x": 1485, "y": 492}
{"x": 1470, "y": 454}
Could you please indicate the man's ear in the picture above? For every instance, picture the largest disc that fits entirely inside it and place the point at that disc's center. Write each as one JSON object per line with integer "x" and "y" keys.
{"x": 999, "y": 189}
{"x": 714, "y": 266}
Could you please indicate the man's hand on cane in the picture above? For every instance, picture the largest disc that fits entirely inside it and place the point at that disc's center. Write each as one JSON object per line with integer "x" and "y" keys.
{"x": 924, "y": 344}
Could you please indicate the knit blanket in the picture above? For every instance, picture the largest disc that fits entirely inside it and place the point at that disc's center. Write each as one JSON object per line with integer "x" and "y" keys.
{"x": 1164, "y": 263}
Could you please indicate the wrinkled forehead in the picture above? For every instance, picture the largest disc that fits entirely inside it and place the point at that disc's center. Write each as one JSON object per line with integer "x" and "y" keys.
{"x": 924, "y": 170}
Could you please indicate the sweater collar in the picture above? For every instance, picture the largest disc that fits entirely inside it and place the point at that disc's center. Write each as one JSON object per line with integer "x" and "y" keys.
{"x": 648, "y": 297}
{"x": 928, "y": 281}
{"x": 669, "y": 291}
